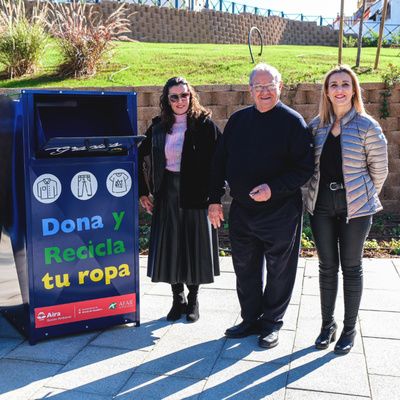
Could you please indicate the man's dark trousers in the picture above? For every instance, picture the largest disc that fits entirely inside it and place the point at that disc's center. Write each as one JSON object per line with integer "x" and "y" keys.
{"x": 274, "y": 236}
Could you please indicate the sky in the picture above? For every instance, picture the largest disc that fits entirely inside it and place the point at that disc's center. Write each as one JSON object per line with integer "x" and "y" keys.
{"x": 326, "y": 8}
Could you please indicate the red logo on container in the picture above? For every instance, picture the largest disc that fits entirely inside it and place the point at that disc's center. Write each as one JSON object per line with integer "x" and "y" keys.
{"x": 83, "y": 310}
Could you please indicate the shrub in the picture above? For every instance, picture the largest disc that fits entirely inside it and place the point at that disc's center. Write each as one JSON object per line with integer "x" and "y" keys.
{"x": 84, "y": 36}
{"x": 22, "y": 39}
{"x": 350, "y": 41}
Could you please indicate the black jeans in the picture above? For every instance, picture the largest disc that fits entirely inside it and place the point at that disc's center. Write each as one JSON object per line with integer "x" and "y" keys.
{"x": 338, "y": 240}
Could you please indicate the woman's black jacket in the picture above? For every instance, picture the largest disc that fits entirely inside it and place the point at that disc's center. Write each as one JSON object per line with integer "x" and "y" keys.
{"x": 197, "y": 153}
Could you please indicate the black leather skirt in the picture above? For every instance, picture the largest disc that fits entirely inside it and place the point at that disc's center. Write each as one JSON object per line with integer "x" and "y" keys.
{"x": 183, "y": 245}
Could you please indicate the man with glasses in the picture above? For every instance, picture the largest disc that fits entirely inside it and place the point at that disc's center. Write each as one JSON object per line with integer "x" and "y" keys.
{"x": 265, "y": 155}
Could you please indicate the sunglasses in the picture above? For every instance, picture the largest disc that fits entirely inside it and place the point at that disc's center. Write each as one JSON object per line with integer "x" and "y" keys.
{"x": 174, "y": 98}
{"x": 259, "y": 88}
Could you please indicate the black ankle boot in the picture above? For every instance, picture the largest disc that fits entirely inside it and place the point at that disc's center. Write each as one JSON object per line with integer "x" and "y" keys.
{"x": 192, "y": 313}
{"x": 326, "y": 336}
{"x": 346, "y": 341}
{"x": 179, "y": 304}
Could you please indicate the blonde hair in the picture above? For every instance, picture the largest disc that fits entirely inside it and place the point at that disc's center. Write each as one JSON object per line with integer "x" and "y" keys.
{"x": 325, "y": 105}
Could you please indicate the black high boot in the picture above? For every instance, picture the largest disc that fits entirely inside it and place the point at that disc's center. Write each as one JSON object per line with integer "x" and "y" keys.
{"x": 192, "y": 314}
{"x": 179, "y": 304}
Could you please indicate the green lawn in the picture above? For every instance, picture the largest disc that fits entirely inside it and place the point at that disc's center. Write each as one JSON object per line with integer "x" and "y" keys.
{"x": 153, "y": 63}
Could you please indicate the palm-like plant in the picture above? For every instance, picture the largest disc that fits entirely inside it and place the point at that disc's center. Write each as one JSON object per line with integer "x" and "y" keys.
{"x": 22, "y": 39}
{"x": 84, "y": 36}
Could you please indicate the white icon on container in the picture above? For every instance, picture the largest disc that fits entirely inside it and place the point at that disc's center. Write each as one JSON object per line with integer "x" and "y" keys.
{"x": 84, "y": 185}
{"x": 119, "y": 182}
{"x": 47, "y": 188}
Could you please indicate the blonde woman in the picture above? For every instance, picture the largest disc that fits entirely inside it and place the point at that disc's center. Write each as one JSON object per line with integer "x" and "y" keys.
{"x": 351, "y": 166}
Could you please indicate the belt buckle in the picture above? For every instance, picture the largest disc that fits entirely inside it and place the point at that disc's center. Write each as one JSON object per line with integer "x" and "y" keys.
{"x": 334, "y": 186}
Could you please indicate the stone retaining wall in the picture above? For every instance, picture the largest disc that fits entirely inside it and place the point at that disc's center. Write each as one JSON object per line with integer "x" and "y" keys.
{"x": 170, "y": 25}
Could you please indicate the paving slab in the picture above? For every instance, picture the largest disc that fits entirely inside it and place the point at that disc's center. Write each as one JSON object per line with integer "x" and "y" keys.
{"x": 58, "y": 350}
{"x": 152, "y": 387}
{"x": 382, "y": 356}
{"x": 8, "y": 344}
{"x": 380, "y": 300}
{"x": 324, "y": 371}
{"x": 19, "y": 380}
{"x": 311, "y": 268}
{"x": 63, "y": 394}
{"x": 385, "y": 387}
{"x": 298, "y": 286}
{"x": 224, "y": 281}
{"x": 7, "y": 330}
{"x": 183, "y": 356}
{"x": 130, "y": 337}
{"x": 211, "y": 325}
{"x": 98, "y": 370}
{"x": 218, "y": 300}
{"x": 380, "y": 324}
{"x": 291, "y": 316}
{"x": 245, "y": 380}
{"x": 382, "y": 276}
{"x": 294, "y": 394}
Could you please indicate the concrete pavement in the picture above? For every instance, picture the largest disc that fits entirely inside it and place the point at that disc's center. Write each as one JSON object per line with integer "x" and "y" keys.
{"x": 162, "y": 360}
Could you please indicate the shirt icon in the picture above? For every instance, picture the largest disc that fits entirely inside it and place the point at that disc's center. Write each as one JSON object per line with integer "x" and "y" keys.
{"x": 46, "y": 188}
{"x": 119, "y": 182}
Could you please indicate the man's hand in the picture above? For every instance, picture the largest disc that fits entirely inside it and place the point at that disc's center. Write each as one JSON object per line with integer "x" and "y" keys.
{"x": 215, "y": 215}
{"x": 261, "y": 193}
{"x": 147, "y": 203}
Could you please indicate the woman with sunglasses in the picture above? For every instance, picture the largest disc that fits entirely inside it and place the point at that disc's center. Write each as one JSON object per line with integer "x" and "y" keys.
{"x": 351, "y": 166}
{"x": 179, "y": 146}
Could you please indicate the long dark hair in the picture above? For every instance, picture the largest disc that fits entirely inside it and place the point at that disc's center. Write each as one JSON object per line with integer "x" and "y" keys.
{"x": 195, "y": 110}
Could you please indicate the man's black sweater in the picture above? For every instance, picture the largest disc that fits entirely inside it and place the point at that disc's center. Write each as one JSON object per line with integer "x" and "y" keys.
{"x": 274, "y": 147}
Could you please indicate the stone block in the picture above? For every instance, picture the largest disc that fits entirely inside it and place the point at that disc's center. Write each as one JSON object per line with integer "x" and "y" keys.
{"x": 393, "y": 137}
{"x": 205, "y": 98}
{"x": 308, "y": 111}
{"x": 142, "y": 126}
{"x": 394, "y": 109}
{"x": 220, "y": 123}
{"x": 313, "y": 96}
{"x": 300, "y": 97}
{"x": 218, "y": 112}
{"x": 392, "y": 193}
{"x": 147, "y": 113}
{"x": 389, "y": 124}
{"x": 231, "y": 109}
{"x": 143, "y": 99}
{"x": 375, "y": 96}
{"x": 154, "y": 98}
{"x": 227, "y": 98}
{"x": 393, "y": 178}
{"x": 373, "y": 109}
{"x": 373, "y": 86}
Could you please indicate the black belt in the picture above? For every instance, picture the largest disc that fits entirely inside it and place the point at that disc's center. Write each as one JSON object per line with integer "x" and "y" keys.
{"x": 335, "y": 186}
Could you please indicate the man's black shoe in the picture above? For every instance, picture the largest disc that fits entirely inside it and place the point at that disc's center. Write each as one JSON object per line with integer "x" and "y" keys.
{"x": 269, "y": 340}
{"x": 242, "y": 330}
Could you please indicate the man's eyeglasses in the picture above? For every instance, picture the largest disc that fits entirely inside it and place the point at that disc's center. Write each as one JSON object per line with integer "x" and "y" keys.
{"x": 259, "y": 88}
{"x": 174, "y": 98}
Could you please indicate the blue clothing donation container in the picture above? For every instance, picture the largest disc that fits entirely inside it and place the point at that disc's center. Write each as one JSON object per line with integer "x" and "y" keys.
{"x": 74, "y": 227}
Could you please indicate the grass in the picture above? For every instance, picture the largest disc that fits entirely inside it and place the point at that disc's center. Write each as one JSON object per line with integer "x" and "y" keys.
{"x": 140, "y": 64}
